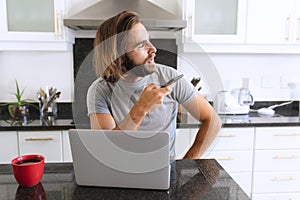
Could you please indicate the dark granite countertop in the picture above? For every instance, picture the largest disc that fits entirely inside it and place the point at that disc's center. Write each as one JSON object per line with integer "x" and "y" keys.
{"x": 202, "y": 179}
{"x": 252, "y": 120}
{"x": 285, "y": 116}
{"x": 228, "y": 121}
{"x": 36, "y": 124}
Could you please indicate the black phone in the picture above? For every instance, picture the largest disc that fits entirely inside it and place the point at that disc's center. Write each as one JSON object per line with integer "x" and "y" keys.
{"x": 173, "y": 80}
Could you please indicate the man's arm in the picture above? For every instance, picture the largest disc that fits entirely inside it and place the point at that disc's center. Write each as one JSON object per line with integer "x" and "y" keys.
{"x": 151, "y": 98}
{"x": 107, "y": 122}
{"x": 210, "y": 126}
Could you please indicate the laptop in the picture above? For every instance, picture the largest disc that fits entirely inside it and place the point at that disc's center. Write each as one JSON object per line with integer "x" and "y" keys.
{"x": 117, "y": 158}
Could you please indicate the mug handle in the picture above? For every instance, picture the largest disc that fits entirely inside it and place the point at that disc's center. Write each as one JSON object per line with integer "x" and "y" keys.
{"x": 252, "y": 100}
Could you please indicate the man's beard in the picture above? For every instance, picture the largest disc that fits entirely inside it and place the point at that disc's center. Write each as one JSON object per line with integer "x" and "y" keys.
{"x": 141, "y": 70}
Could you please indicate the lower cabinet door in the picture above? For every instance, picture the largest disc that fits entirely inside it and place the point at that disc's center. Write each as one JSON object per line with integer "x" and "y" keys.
{"x": 9, "y": 146}
{"x": 277, "y": 196}
{"x": 182, "y": 142}
{"x": 277, "y": 182}
{"x": 46, "y": 143}
{"x": 233, "y": 161}
{"x": 243, "y": 180}
{"x": 67, "y": 153}
{"x": 277, "y": 160}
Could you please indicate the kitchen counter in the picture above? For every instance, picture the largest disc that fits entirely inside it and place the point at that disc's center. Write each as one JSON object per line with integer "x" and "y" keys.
{"x": 251, "y": 121}
{"x": 36, "y": 124}
{"x": 228, "y": 121}
{"x": 201, "y": 179}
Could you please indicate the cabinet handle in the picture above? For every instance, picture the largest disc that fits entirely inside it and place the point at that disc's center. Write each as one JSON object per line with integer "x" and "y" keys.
{"x": 57, "y": 24}
{"x": 38, "y": 139}
{"x": 191, "y": 27}
{"x": 285, "y": 157}
{"x": 228, "y": 158}
{"x": 287, "y": 134}
{"x": 288, "y": 26}
{"x": 284, "y": 179}
{"x": 226, "y": 135}
{"x": 298, "y": 35}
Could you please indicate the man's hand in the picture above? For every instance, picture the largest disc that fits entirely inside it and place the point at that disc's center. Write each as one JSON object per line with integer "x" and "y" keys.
{"x": 152, "y": 97}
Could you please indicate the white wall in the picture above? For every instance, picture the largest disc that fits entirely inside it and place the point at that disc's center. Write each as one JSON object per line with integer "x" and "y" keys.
{"x": 40, "y": 69}
{"x": 268, "y": 74}
{"x": 34, "y": 70}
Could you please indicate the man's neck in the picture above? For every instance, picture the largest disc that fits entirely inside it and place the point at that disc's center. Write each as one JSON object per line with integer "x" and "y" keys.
{"x": 130, "y": 77}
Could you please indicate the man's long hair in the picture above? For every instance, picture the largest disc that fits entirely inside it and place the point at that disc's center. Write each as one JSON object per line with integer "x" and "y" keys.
{"x": 110, "y": 45}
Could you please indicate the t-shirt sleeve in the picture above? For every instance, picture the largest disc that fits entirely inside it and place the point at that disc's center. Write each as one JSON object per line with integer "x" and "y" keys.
{"x": 96, "y": 99}
{"x": 184, "y": 91}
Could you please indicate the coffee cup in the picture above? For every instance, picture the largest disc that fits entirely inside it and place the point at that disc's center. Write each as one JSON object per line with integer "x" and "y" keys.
{"x": 28, "y": 169}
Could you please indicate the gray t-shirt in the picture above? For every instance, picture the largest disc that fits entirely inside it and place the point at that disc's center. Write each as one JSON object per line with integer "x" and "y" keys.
{"x": 118, "y": 98}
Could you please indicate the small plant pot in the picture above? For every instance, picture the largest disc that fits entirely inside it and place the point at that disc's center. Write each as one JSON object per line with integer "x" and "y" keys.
{"x": 18, "y": 112}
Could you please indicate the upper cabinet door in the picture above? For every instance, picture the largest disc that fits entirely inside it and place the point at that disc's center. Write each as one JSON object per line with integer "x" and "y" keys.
{"x": 297, "y": 22}
{"x": 23, "y": 17}
{"x": 215, "y": 21}
{"x": 273, "y": 22}
{"x": 25, "y": 22}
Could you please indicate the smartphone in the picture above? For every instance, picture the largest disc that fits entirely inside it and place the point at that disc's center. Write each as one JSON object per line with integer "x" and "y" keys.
{"x": 173, "y": 80}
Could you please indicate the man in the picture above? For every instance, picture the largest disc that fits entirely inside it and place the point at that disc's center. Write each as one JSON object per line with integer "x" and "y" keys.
{"x": 128, "y": 96}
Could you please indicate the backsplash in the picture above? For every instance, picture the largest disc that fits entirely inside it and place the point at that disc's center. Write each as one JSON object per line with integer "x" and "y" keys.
{"x": 84, "y": 73}
{"x": 64, "y": 111}
{"x": 166, "y": 51}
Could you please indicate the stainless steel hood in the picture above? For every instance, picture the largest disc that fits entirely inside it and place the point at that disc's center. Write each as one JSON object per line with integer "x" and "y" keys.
{"x": 154, "y": 17}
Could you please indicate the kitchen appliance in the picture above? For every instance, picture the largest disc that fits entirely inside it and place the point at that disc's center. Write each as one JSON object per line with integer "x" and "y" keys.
{"x": 136, "y": 159}
{"x": 236, "y": 101}
{"x": 155, "y": 15}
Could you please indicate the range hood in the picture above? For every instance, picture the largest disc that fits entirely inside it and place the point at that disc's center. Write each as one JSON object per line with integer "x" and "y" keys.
{"x": 155, "y": 17}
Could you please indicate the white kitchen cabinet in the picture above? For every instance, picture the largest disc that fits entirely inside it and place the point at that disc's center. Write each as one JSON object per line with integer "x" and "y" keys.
{"x": 215, "y": 21}
{"x": 273, "y": 182}
{"x": 277, "y": 196}
{"x": 233, "y": 149}
{"x": 47, "y": 143}
{"x": 233, "y": 139}
{"x": 273, "y": 22}
{"x": 261, "y": 26}
{"x": 33, "y": 25}
{"x": 9, "y": 146}
{"x": 243, "y": 180}
{"x": 276, "y": 162}
{"x": 67, "y": 154}
{"x": 233, "y": 161}
{"x": 182, "y": 142}
{"x": 277, "y": 138}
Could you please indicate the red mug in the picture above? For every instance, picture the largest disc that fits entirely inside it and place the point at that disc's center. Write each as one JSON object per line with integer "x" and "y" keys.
{"x": 28, "y": 169}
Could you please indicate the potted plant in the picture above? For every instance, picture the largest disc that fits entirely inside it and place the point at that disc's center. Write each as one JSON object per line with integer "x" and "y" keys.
{"x": 20, "y": 107}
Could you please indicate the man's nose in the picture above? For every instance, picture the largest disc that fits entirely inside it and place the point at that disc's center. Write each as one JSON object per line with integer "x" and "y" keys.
{"x": 151, "y": 48}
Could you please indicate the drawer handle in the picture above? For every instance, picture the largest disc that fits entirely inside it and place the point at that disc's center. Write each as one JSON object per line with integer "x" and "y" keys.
{"x": 298, "y": 35}
{"x": 284, "y": 179}
{"x": 288, "y": 28}
{"x": 57, "y": 24}
{"x": 38, "y": 139}
{"x": 226, "y": 135}
{"x": 191, "y": 27}
{"x": 228, "y": 158}
{"x": 291, "y": 134}
{"x": 285, "y": 157}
